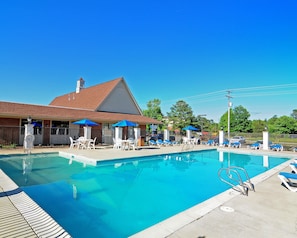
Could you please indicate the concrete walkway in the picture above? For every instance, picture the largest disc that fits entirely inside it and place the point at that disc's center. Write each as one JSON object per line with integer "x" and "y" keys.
{"x": 268, "y": 212}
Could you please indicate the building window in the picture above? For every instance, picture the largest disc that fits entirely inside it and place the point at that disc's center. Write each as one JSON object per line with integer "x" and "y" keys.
{"x": 37, "y": 126}
{"x": 60, "y": 128}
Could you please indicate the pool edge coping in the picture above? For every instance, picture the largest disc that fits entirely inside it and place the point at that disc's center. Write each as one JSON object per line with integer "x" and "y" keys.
{"x": 30, "y": 210}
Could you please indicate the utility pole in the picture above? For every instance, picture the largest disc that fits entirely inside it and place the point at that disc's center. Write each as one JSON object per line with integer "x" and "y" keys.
{"x": 229, "y": 106}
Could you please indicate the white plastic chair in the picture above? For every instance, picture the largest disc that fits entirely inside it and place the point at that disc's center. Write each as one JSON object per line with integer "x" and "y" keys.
{"x": 117, "y": 143}
{"x": 134, "y": 144}
{"x": 185, "y": 140}
{"x": 82, "y": 143}
{"x": 73, "y": 143}
{"x": 91, "y": 144}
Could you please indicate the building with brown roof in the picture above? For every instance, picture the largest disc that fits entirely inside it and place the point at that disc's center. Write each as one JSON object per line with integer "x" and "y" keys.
{"x": 105, "y": 103}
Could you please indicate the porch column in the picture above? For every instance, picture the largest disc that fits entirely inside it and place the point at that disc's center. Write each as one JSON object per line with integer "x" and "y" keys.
{"x": 221, "y": 137}
{"x": 265, "y": 140}
{"x": 87, "y": 132}
{"x": 189, "y": 134}
{"x": 166, "y": 134}
{"x": 118, "y": 133}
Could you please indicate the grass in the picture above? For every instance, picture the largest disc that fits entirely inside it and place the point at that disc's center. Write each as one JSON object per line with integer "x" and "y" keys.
{"x": 11, "y": 146}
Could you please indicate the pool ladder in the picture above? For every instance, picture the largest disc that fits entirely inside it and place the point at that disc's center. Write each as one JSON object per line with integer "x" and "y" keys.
{"x": 233, "y": 176}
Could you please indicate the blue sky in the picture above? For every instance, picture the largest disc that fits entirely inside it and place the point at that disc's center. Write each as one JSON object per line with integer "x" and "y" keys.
{"x": 189, "y": 50}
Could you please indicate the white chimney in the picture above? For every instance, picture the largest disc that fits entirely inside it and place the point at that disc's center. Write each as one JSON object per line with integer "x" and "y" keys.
{"x": 80, "y": 85}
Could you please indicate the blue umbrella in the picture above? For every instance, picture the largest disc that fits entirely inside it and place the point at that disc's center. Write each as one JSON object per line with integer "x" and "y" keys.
{"x": 190, "y": 128}
{"x": 85, "y": 122}
{"x": 124, "y": 123}
{"x": 36, "y": 124}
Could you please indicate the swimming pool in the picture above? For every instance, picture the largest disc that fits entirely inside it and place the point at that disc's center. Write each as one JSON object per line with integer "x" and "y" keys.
{"x": 120, "y": 198}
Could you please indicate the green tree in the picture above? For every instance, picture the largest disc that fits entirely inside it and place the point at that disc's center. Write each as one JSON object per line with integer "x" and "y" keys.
{"x": 202, "y": 123}
{"x": 181, "y": 115}
{"x": 294, "y": 114}
{"x": 212, "y": 126}
{"x": 284, "y": 125}
{"x": 271, "y": 123}
{"x": 241, "y": 122}
{"x": 258, "y": 125}
{"x": 154, "y": 111}
{"x": 223, "y": 124}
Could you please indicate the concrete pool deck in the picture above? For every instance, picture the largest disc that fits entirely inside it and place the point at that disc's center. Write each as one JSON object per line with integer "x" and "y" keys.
{"x": 268, "y": 212}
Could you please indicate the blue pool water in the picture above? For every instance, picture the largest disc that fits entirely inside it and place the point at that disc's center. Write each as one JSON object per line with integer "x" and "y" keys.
{"x": 120, "y": 198}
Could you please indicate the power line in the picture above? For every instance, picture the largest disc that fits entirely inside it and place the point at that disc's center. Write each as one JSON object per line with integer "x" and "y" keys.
{"x": 260, "y": 94}
{"x": 266, "y": 87}
{"x": 217, "y": 95}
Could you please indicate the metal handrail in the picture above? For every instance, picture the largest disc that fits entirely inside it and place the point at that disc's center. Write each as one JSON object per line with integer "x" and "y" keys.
{"x": 236, "y": 183}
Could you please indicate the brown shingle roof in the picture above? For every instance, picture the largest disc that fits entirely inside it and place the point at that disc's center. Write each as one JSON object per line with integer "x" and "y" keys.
{"x": 21, "y": 110}
{"x": 87, "y": 98}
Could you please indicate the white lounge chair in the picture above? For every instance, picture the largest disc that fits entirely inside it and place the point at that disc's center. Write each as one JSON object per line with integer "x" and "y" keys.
{"x": 160, "y": 142}
{"x": 168, "y": 143}
{"x": 210, "y": 142}
{"x": 152, "y": 142}
{"x": 294, "y": 167}
{"x": 256, "y": 146}
{"x": 276, "y": 147}
{"x": 236, "y": 144}
{"x": 287, "y": 178}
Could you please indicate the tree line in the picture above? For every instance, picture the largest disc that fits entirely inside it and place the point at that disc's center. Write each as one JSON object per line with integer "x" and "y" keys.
{"x": 181, "y": 115}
